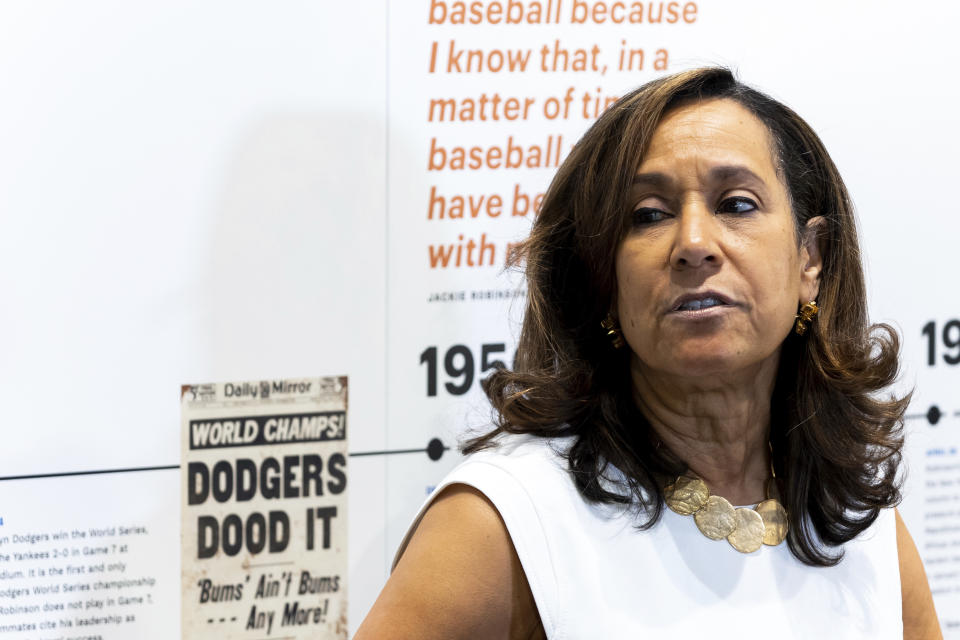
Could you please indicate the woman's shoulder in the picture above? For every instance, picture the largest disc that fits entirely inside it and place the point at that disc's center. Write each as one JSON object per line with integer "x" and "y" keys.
{"x": 458, "y": 576}
{"x": 520, "y": 475}
{"x": 507, "y": 497}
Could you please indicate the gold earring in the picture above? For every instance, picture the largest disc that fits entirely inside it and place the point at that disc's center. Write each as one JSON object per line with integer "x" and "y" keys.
{"x": 807, "y": 313}
{"x": 612, "y": 328}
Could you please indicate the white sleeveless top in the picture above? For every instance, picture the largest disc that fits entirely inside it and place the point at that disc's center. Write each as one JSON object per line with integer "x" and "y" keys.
{"x": 594, "y": 575}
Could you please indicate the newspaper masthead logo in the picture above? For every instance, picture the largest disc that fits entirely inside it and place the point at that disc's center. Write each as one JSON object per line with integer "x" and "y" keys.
{"x": 265, "y": 388}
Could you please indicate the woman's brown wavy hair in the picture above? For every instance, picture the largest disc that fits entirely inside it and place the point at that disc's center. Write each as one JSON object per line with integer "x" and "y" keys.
{"x": 836, "y": 442}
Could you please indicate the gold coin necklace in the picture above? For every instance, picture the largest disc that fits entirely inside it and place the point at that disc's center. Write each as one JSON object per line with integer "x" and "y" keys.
{"x": 745, "y": 529}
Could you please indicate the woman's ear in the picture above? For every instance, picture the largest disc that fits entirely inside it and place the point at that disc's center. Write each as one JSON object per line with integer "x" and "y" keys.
{"x": 811, "y": 259}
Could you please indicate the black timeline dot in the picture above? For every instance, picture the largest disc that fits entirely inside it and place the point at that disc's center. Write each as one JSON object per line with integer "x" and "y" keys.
{"x": 933, "y": 415}
{"x": 435, "y": 449}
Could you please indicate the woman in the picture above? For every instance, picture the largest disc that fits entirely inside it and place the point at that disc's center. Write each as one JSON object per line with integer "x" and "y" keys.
{"x": 695, "y": 336}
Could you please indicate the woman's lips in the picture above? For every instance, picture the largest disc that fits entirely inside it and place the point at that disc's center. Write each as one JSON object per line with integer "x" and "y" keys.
{"x": 702, "y": 314}
{"x": 700, "y": 301}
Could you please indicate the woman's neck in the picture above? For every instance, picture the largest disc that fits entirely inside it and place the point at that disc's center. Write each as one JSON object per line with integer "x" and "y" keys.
{"x": 719, "y": 426}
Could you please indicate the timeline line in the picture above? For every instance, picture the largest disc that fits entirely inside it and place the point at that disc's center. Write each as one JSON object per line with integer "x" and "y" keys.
{"x": 434, "y": 450}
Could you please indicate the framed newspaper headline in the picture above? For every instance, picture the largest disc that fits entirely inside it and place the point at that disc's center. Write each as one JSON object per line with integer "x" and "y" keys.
{"x": 264, "y": 509}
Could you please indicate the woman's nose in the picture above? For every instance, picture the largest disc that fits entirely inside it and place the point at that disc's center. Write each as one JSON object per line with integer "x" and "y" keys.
{"x": 696, "y": 244}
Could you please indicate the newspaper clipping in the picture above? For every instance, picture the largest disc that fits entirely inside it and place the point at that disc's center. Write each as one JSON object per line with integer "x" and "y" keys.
{"x": 264, "y": 504}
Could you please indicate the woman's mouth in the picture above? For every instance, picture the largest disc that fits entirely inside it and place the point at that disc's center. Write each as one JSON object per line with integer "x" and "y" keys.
{"x": 704, "y": 304}
{"x": 697, "y": 305}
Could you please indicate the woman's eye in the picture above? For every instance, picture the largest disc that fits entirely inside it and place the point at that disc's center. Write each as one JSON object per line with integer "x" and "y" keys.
{"x": 647, "y": 215}
{"x": 738, "y": 204}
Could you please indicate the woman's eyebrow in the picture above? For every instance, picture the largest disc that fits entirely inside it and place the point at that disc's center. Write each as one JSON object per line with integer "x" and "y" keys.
{"x": 654, "y": 179}
{"x": 736, "y": 172}
{"x": 720, "y": 173}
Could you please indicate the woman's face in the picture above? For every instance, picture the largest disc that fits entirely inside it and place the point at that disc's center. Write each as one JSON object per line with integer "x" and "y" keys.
{"x": 710, "y": 275}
